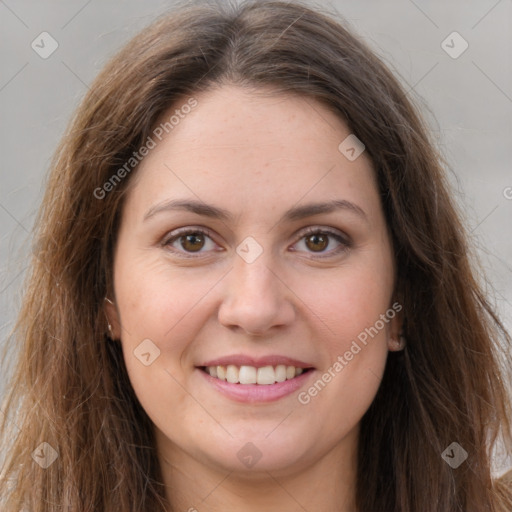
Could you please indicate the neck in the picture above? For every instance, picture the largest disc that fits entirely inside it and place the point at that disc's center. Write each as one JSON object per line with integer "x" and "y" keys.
{"x": 327, "y": 485}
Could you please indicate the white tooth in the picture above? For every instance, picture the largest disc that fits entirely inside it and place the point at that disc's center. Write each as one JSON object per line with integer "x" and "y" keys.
{"x": 221, "y": 372}
{"x": 232, "y": 374}
{"x": 266, "y": 375}
{"x": 280, "y": 373}
{"x": 298, "y": 371}
{"x": 290, "y": 372}
{"x": 212, "y": 370}
{"x": 247, "y": 375}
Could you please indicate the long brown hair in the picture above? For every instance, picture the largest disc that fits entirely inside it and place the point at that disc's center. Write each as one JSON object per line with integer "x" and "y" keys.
{"x": 70, "y": 388}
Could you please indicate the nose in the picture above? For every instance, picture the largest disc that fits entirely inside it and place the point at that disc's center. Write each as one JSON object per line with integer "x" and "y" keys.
{"x": 256, "y": 299}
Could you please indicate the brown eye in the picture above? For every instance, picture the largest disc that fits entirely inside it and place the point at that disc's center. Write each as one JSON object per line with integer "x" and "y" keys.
{"x": 192, "y": 242}
{"x": 324, "y": 243}
{"x": 317, "y": 241}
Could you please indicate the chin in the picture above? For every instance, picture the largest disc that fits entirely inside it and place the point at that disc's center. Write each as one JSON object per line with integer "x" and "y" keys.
{"x": 251, "y": 456}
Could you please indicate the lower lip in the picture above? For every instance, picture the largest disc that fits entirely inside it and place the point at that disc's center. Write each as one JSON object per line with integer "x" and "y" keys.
{"x": 250, "y": 393}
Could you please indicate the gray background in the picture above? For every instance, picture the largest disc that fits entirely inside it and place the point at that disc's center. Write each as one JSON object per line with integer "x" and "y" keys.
{"x": 467, "y": 101}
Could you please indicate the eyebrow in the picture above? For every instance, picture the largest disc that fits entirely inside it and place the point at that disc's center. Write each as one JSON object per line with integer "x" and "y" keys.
{"x": 293, "y": 214}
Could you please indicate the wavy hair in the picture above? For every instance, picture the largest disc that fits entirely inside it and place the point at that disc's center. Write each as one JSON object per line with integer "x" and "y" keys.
{"x": 70, "y": 387}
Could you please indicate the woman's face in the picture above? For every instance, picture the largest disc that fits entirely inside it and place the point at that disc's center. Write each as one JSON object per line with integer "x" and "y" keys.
{"x": 232, "y": 253}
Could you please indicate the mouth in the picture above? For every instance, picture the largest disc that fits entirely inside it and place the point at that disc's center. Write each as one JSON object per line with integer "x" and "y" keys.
{"x": 250, "y": 379}
{"x": 254, "y": 375}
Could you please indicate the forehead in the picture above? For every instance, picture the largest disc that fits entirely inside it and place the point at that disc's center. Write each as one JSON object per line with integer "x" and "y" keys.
{"x": 248, "y": 148}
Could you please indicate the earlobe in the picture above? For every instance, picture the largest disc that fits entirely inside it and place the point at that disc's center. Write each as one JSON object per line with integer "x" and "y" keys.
{"x": 112, "y": 319}
{"x": 397, "y": 340}
{"x": 396, "y": 344}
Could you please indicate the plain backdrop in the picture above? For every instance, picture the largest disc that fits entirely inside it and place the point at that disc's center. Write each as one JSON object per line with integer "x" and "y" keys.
{"x": 467, "y": 101}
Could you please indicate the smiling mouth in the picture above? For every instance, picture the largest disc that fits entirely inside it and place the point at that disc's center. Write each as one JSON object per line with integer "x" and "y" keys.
{"x": 265, "y": 375}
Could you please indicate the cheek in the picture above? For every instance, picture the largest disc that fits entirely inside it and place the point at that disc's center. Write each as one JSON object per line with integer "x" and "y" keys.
{"x": 162, "y": 312}
{"x": 355, "y": 351}
{"x": 157, "y": 300}
{"x": 353, "y": 314}
{"x": 350, "y": 300}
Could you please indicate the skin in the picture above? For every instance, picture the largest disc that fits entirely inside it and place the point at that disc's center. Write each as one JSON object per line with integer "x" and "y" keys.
{"x": 255, "y": 154}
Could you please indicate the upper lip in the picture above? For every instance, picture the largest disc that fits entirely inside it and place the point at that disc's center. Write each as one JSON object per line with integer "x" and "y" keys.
{"x": 243, "y": 360}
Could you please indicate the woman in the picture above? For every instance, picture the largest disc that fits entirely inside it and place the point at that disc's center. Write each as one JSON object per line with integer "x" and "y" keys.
{"x": 251, "y": 289}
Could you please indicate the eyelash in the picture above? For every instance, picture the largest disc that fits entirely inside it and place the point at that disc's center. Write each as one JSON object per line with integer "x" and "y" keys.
{"x": 345, "y": 243}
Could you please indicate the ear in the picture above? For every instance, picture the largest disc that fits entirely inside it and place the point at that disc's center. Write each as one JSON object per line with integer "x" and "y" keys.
{"x": 396, "y": 341}
{"x": 113, "y": 319}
